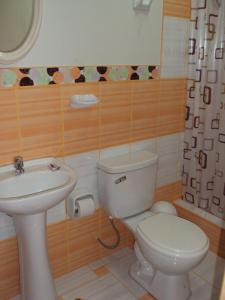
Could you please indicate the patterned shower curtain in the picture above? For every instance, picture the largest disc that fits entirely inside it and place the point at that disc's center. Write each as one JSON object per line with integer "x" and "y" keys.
{"x": 204, "y": 145}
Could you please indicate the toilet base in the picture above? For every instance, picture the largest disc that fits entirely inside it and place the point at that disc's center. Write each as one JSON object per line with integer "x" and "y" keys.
{"x": 161, "y": 286}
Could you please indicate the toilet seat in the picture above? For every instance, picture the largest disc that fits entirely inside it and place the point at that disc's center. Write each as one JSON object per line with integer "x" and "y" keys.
{"x": 172, "y": 235}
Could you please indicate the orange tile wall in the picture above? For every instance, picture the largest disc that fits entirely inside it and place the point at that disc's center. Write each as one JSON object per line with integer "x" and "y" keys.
{"x": 38, "y": 121}
{"x": 177, "y": 8}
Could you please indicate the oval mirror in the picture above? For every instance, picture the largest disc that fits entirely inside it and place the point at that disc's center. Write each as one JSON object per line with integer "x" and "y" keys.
{"x": 20, "y": 22}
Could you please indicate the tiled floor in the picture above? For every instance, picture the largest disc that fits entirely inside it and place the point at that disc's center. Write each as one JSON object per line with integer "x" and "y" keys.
{"x": 108, "y": 279}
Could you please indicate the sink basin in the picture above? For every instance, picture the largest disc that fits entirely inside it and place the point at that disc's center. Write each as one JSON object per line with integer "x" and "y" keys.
{"x": 36, "y": 190}
{"x": 27, "y": 197}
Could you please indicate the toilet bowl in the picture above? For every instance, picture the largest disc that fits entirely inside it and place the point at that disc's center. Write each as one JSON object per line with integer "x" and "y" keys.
{"x": 167, "y": 247}
{"x": 174, "y": 254}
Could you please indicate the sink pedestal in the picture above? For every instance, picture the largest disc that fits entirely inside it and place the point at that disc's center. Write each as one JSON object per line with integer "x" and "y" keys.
{"x": 45, "y": 183}
{"x": 36, "y": 280}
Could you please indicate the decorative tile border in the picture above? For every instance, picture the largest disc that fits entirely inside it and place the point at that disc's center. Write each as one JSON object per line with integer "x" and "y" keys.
{"x": 11, "y": 77}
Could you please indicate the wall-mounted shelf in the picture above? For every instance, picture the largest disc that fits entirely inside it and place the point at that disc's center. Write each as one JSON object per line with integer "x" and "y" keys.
{"x": 83, "y": 101}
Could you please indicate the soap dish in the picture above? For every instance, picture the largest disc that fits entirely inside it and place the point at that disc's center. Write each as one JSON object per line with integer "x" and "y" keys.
{"x": 83, "y": 101}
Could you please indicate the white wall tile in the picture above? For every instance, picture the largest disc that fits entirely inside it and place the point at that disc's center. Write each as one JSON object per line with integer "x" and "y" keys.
{"x": 114, "y": 151}
{"x": 175, "y": 47}
{"x": 167, "y": 169}
{"x": 168, "y": 144}
{"x": 56, "y": 213}
{"x": 170, "y": 158}
{"x": 85, "y": 167}
{"x": 7, "y": 232}
{"x": 179, "y": 165}
{"x": 5, "y": 220}
{"x": 87, "y": 158}
{"x": 148, "y": 145}
{"x": 89, "y": 183}
{"x": 180, "y": 156}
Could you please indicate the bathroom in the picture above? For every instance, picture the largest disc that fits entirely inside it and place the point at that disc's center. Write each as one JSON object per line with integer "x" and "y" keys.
{"x": 90, "y": 83}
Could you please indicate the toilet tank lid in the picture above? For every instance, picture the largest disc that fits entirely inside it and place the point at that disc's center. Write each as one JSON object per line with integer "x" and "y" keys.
{"x": 127, "y": 162}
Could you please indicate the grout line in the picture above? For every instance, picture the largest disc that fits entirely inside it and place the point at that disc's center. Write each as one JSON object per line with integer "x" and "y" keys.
{"x": 131, "y": 134}
{"x": 206, "y": 280}
{"x": 19, "y": 129}
{"x": 179, "y": 162}
{"x": 117, "y": 279}
{"x": 62, "y": 156}
{"x": 67, "y": 236}
{"x": 121, "y": 282}
{"x": 99, "y": 119}
{"x": 82, "y": 285}
{"x": 78, "y": 286}
{"x": 94, "y": 269}
{"x": 162, "y": 40}
{"x": 100, "y": 122}
{"x": 63, "y": 122}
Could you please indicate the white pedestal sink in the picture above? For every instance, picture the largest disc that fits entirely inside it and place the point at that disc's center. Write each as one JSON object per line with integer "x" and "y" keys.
{"x": 27, "y": 197}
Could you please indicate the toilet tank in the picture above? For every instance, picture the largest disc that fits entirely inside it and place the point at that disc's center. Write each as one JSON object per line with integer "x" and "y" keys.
{"x": 126, "y": 183}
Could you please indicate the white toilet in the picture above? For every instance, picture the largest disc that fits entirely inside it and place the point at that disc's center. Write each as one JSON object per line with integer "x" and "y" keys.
{"x": 167, "y": 247}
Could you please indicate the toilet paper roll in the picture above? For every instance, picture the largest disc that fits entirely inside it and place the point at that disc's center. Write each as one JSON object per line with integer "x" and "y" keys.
{"x": 84, "y": 207}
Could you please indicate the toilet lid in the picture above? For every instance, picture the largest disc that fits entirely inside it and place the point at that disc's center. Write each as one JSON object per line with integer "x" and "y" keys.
{"x": 172, "y": 233}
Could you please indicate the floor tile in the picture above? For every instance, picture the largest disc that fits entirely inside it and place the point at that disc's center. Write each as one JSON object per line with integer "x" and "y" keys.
{"x": 208, "y": 261}
{"x": 101, "y": 271}
{"x": 211, "y": 269}
{"x": 120, "y": 269}
{"x": 215, "y": 276}
{"x": 117, "y": 255}
{"x": 74, "y": 279}
{"x": 147, "y": 297}
{"x": 96, "y": 264}
{"x": 122, "y": 253}
{"x": 202, "y": 290}
{"x": 196, "y": 282}
{"x": 205, "y": 292}
{"x": 106, "y": 287}
{"x": 16, "y": 298}
{"x": 108, "y": 278}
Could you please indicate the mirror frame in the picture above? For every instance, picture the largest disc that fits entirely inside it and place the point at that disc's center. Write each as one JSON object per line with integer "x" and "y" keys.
{"x": 13, "y": 56}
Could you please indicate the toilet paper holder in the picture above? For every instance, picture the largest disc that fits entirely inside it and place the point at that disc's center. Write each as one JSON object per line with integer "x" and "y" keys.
{"x": 72, "y": 207}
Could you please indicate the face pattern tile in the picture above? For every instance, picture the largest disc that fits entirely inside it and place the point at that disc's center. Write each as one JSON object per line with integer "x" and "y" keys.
{"x": 35, "y": 76}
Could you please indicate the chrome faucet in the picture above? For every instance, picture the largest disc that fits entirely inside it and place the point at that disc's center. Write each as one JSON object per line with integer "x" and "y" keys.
{"x": 18, "y": 165}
